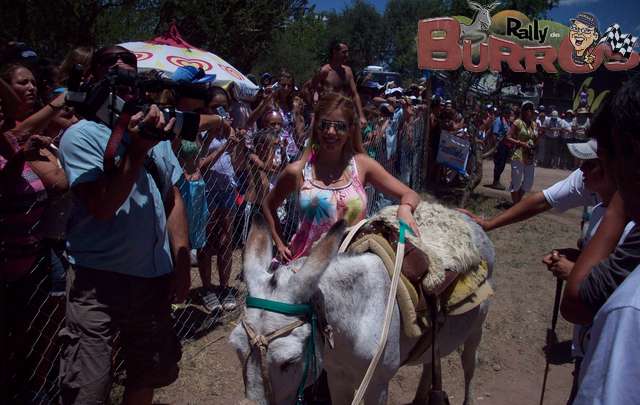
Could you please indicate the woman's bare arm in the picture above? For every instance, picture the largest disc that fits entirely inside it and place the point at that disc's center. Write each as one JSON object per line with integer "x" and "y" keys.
{"x": 286, "y": 185}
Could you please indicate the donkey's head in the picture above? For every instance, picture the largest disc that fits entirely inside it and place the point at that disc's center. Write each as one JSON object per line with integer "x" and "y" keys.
{"x": 278, "y": 380}
{"x": 483, "y": 17}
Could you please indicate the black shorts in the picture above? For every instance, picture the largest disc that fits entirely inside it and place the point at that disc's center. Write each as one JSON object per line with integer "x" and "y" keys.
{"x": 101, "y": 305}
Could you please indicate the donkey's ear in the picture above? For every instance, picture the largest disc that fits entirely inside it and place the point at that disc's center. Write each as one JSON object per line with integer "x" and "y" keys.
{"x": 258, "y": 254}
{"x": 474, "y": 6}
{"x": 321, "y": 255}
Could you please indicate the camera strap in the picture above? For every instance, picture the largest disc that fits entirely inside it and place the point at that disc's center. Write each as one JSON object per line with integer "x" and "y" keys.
{"x": 112, "y": 149}
{"x": 109, "y": 158}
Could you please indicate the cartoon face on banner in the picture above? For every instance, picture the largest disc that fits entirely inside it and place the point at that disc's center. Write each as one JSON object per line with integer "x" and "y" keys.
{"x": 182, "y": 61}
{"x": 510, "y": 37}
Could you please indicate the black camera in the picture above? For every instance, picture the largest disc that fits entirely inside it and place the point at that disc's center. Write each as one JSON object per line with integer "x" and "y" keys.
{"x": 100, "y": 102}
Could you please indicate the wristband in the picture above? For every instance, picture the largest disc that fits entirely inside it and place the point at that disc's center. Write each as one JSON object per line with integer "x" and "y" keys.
{"x": 54, "y": 108}
{"x": 410, "y": 206}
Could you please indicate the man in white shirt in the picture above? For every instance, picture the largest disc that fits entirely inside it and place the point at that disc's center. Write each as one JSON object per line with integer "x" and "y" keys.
{"x": 564, "y": 195}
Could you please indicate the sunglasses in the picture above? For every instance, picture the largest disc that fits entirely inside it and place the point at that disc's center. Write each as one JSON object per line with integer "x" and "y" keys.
{"x": 582, "y": 30}
{"x": 111, "y": 59}
{"x": 339, "y": 126}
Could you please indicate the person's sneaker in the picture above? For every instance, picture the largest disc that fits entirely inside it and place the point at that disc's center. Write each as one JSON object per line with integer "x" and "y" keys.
{"x": 210, "y": 300}
{"x": 229, "y": 302}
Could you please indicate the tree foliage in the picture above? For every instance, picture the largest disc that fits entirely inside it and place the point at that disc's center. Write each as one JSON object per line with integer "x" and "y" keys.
{"x": 256, "y": 35}
{"x": 237, "y": 30}
{"x": 54, "y": 27}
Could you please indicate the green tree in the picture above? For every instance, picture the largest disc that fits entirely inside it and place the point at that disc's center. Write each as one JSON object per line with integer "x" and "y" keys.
{"x": 361, "y": 27}
{"x": 299, "y": 48}
{"x": 401, "y": 26}
{"x": 237, "y": 30}
{"x": 54, "y": 28}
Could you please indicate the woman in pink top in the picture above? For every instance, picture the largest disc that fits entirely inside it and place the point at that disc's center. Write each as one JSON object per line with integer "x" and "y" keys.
{"x": 329, "y": 180}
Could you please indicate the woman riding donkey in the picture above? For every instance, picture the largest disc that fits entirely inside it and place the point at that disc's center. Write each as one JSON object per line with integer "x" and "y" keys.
{"x": 330, "y": 179}
{"x": 316, "y": 292}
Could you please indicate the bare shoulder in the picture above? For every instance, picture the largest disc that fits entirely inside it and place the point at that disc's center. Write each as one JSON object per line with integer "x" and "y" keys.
{"x": 348, "y": 71}
{"x": 365, "y": 163}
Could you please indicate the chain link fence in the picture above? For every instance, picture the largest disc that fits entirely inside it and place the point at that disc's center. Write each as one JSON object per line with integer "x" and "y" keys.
{"x": 34, "y": 308}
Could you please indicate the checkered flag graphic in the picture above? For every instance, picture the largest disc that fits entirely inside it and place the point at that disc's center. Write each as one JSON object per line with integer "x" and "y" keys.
{"x": 620, "y": 43}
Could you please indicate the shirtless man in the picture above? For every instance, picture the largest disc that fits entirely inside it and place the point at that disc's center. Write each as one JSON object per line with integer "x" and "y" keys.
{"x": 338, "y": 77}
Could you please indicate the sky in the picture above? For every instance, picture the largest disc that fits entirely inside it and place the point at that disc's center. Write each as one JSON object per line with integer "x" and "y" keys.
{"x": 624, "y": 12}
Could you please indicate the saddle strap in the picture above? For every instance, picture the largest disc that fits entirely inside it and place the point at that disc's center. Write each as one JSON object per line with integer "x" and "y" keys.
{"x": 350, "y": 235}
{"x": 391, "y": 300}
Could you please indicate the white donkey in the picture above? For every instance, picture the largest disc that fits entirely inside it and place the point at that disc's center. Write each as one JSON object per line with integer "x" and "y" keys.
{"x": 481, "y": 21}
{"x": 349, "y": 293}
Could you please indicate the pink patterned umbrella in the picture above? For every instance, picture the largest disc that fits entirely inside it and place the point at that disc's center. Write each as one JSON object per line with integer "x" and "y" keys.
{"x": 170, "y": 51}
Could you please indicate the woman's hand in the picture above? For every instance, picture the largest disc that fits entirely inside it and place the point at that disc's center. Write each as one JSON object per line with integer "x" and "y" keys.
{"x": 284, "y": 254}
{"x": 31, "y": 148}
{"x": 404, "y": 214}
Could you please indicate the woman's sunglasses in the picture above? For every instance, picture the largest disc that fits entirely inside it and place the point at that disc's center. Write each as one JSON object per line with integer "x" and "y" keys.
{"x": 339, "y": 126}
{"x": 112, "y": 58}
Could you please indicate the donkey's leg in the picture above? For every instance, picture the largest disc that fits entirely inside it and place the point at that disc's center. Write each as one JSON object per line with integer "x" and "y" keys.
{"x": 341, "y": 388}
{"x": 422, "y": 393}
{"x": 377, "y": 393}
{"x": 469, "y": 357}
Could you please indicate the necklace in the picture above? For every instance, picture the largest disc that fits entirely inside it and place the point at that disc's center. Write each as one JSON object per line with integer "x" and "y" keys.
{"x": 331, "y": 177}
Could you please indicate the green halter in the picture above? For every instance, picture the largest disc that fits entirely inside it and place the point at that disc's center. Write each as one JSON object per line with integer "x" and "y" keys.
{"x": 294, "y": 310}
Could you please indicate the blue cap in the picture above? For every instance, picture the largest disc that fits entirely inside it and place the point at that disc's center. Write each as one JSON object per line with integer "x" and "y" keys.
{"x": 587, "y": 19}
{"x": 373, "y": 85}
{"x": 192, "y": 74}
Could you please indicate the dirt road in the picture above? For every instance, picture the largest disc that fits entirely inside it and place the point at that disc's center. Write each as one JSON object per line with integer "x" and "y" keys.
{"x": 511, "y": 357}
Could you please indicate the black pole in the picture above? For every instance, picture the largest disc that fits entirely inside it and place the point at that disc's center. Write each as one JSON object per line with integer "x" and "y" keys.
{"x": 551, "y": 335}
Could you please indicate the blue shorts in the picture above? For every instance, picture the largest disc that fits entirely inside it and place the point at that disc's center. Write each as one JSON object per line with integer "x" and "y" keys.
{"x": 193, "y": 194}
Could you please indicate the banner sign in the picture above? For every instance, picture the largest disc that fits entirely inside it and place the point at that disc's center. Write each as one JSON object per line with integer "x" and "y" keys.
{"x": 453, "y": 152}
{"x": 523, "y": 44}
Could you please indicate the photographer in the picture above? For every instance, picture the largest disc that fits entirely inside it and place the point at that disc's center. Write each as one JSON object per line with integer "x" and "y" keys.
{"x": 129, "y": 251}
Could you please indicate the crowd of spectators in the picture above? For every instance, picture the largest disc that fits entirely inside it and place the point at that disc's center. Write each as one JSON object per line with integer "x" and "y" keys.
{"x": 113, "y": 240}
{"x": 109, "y": 233}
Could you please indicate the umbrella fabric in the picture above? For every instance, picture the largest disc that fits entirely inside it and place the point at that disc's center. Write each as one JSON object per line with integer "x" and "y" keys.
{"x": 169, "y": 52}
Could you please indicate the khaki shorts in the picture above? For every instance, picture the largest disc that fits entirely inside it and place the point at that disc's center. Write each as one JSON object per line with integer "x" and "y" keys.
{"x": 101, "y": 305}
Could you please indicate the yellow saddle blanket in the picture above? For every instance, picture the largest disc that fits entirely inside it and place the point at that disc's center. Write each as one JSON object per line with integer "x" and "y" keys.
{"x": 465, "y": 293}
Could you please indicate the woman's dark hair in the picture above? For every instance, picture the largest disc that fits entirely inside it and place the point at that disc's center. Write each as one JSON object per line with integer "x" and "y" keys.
{"x": 216, "y": 90}
{"x": 264, "y": 138}
{"x": 625, "y": 135}
{"x": 263, "y": 118}
{"x": 625, "y": 109}
{"x": 7, "y": 71}
{"x": 77, "y": 56}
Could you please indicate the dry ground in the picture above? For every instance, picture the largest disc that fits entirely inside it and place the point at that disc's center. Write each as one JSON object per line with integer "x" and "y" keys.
{"x": 511, "y": 357}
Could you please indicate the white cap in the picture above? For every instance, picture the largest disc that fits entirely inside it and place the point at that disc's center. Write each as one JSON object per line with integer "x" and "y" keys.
{"x": 393, "y": 90}
{"x": 584, "y": 150}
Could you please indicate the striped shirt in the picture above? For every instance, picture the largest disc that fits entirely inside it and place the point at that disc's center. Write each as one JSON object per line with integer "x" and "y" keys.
{"x": 21, "y": 210}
